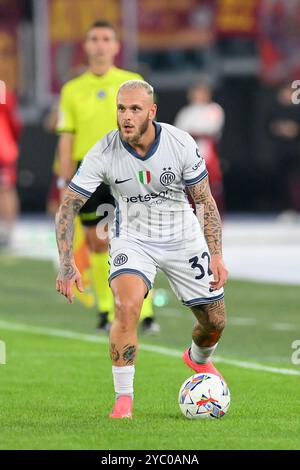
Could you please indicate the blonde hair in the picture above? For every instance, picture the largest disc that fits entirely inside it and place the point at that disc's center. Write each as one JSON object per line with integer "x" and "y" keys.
{"x": 137, "y": 84}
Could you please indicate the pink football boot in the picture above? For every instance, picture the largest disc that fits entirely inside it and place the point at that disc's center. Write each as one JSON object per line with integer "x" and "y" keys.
{"x": 122, "y": 408}
{"x": 200, "y": 368}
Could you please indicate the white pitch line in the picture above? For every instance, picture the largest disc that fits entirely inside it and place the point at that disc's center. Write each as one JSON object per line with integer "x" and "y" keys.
{"x": 283, "y": 327}
{"x": 40, "y": 330}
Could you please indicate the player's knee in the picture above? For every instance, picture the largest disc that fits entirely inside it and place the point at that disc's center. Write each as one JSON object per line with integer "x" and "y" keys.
{"x": 127, "y": 314}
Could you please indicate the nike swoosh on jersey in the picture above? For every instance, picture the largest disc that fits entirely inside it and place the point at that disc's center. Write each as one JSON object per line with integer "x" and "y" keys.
{"x": 122, "y": 181}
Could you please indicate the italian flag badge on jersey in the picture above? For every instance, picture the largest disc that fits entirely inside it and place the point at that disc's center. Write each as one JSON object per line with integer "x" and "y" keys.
{"x": 144, "y": 177}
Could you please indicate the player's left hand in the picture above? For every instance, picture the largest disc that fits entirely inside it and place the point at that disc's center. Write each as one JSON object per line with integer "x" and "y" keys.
{"x": 219, "y": 271}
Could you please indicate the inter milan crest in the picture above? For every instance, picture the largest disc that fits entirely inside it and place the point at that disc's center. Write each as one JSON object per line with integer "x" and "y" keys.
{"x": 167, "y": 177}
{"x": 120, "y": 259}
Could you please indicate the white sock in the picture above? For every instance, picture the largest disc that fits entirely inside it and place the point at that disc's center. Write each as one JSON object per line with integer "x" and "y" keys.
{"x": 201, "y": 355}
{"x": 123, "y": 380}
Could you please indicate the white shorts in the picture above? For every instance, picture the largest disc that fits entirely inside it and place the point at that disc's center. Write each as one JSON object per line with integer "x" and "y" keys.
{"x": 186, "y": 265}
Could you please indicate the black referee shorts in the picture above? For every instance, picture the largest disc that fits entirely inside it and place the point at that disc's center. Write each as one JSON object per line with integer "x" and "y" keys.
{"x": 88, "y": 215}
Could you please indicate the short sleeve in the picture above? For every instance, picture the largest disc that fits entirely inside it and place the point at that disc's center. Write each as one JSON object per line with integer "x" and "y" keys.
{"x": 91, "y": 173}
{"x": 66, "y": 116}
{"x": 194, "y": 168}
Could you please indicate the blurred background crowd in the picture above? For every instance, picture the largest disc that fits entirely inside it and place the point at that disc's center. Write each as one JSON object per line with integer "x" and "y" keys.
{"x": 241, "y": 57}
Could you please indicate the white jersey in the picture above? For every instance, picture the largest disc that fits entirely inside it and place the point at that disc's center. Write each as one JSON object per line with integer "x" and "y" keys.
{"x": 151, "y": 203}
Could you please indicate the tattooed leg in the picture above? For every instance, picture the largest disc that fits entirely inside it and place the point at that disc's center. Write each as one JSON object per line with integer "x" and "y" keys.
{"x": 127, "y": 355}
{"x": 114, "y": 354}
{"x": 129, "y": 291}
{"x": 211, "y": 321}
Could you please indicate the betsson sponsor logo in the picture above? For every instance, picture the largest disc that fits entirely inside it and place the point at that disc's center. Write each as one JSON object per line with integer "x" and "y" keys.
{"x": 148, "y": 197}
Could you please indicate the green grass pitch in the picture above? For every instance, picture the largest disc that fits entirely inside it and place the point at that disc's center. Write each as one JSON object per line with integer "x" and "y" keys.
{"x": 56, "y": 392}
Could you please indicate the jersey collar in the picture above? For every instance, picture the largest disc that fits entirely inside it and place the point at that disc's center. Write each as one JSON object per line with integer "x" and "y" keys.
{"x": 152, "y": 149}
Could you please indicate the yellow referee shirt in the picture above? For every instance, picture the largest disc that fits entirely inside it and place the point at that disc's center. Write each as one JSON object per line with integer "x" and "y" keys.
{"x": 88, "y": 107}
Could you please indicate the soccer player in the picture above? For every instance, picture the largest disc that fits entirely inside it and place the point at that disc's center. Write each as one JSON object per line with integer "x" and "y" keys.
{"x": 148, "y": 165}
{"x": 87, "y": 112}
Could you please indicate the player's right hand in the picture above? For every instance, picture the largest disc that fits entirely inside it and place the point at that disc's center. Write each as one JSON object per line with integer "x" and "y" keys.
{"x": 68, "y": 275}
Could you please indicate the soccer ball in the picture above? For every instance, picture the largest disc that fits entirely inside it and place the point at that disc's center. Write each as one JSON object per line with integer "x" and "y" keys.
{"x": 204, "y": 396}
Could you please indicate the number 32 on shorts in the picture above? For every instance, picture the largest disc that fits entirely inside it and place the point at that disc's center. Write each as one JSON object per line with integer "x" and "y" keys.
{"x": 195, "y": 264}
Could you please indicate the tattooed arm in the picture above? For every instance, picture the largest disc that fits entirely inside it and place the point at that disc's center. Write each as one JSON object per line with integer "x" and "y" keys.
{"x": 64, "y": 225}
{"x": 210, "y": 221}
